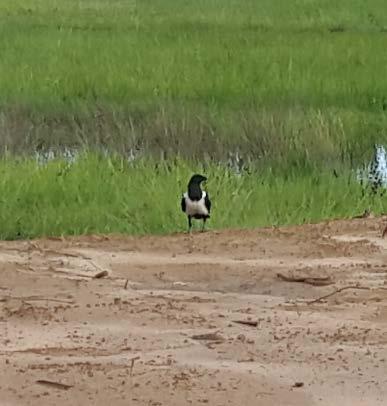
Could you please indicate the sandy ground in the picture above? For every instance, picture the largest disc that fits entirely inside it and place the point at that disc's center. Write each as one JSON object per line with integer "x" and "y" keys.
{"x": 162, "y": 327}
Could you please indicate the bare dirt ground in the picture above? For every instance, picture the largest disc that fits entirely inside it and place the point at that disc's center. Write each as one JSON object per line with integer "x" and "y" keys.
{"x": 162, "y": 328}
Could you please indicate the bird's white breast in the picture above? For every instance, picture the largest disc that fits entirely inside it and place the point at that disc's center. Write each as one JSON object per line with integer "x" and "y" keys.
{"x": 195, "y": 207}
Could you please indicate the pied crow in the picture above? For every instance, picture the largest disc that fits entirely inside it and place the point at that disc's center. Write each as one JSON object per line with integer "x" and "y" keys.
{"x": 196, "y": 203}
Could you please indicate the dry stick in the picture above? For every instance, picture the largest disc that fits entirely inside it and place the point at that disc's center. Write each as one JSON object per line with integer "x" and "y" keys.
{"x": 208, "y": 337}
{"x": 250, "y": 323}
{"x": 337, "y": 291}
{"x": 318, "y": 281}
{"x": 132, "y": 364}
{"x": 49, "y": 299}
{"x": 97, "y": 275}
{"x": 57, "y": 385}
{"x": 71, "y": 254}
{"x": 101, "y": 274}
{"x": 81, "y": 275}
{"x": 32, "y": 298}
{"x": 126, "y": 284}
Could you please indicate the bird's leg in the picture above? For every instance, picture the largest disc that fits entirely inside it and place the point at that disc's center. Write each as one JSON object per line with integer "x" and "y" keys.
{"x": 204, "y": 224}
{"x": 189, "y": 224}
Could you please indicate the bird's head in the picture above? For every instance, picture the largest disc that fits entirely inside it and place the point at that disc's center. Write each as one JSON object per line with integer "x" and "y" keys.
{"x": 197, "y": 179}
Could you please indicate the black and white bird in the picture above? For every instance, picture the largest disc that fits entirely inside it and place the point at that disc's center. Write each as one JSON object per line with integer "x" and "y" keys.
{"x": 196, "y": 203}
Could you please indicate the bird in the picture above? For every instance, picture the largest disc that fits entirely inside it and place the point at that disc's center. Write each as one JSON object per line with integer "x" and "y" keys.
{"x": 196, "y": 203}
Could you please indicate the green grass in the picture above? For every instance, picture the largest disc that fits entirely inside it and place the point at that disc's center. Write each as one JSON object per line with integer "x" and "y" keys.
{"x": 221, "y": 52}
{"x": 109, "y": 195}
{"x": 298, "y": 88}
{"x": 266, "y": 77}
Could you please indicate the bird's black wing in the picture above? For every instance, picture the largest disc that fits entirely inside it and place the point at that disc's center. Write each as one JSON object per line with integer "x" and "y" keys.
{"x": 207, "y": 202}
{"x": 183, "y": 205}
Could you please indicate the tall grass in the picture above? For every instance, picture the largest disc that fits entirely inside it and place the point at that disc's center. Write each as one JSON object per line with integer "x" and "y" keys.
{"x": 297, "y": 88}
{"x": 270, "y": 78}
{"x": 103, "y": 195}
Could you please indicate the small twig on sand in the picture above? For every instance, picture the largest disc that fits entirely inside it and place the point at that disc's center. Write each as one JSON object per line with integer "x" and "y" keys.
{"x": 132, "y": 364}
{"x": 71, "y": 254}
{"x": 57, "y": 385}
{"x": 37, "y": 298}
{"x": 250, "y": 323}
{"x": 319, "y": 299}
{"x": 315, "y": 281}
{"x": 208, "y": 337}
{"x": 62, "y": 253}
{"x": 126, "y": 284}
{"x": 86, "y": 276}
{"x": 101, "y": 274}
